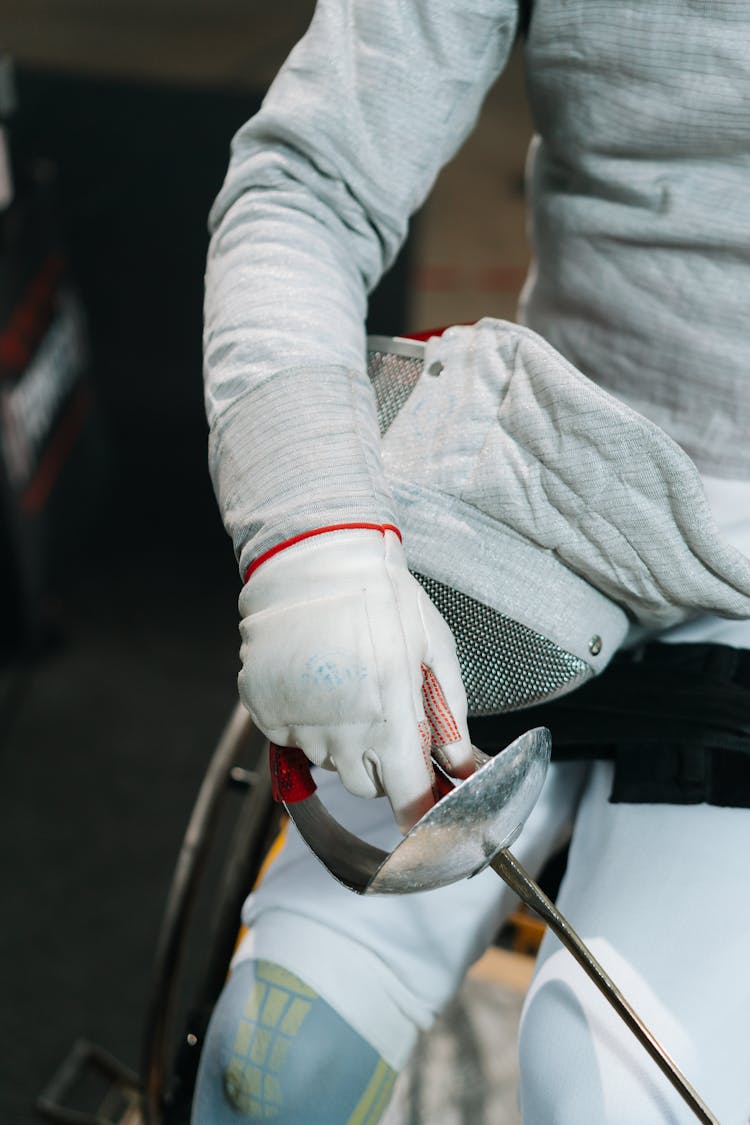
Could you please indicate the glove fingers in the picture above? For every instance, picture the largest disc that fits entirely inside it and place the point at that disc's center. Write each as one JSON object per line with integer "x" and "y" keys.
{"x": 353, "y": 770}
{"x": 407, "y": 777}
{"x": 337, "y": 750}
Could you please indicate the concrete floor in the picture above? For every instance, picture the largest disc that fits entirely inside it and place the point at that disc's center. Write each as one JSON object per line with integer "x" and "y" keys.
{"x": 469, "y": 261}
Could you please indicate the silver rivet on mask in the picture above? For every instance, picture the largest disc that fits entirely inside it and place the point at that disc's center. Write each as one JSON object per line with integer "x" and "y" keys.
{"x": 595, "y": 645}
{"x": 435, "y": 368}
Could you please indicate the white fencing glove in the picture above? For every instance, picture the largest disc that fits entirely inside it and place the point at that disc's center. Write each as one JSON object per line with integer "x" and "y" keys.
{"x": 345, "y": 656}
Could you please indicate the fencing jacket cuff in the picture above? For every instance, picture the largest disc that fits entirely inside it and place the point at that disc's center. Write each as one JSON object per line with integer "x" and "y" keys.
{"x": 298, "y": 452}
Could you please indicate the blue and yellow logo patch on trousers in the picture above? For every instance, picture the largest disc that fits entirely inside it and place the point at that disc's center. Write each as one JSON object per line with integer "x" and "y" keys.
{"x": 282, "y": 1013}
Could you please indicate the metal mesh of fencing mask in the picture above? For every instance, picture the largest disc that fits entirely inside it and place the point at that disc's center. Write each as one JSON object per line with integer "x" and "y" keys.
{"x": 394, "y": 375}
{"x": 504, "y": 665}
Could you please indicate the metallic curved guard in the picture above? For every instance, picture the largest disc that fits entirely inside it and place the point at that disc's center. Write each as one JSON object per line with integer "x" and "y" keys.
{"x": 455, "y": 839}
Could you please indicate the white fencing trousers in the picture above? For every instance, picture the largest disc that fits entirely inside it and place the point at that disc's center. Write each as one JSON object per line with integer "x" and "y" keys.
{"x": 661, "y": 895}
{"x": 659, "y": 892}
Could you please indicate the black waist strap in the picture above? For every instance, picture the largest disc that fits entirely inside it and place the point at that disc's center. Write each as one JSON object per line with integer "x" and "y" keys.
{"x": 675, "y": 719}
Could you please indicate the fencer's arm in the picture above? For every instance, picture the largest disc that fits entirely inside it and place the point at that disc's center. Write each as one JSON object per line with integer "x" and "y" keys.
{"x": 321, "y": 184}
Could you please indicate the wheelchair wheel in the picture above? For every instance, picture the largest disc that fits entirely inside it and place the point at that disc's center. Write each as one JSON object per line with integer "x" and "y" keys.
{"x": 182, "y": 1000}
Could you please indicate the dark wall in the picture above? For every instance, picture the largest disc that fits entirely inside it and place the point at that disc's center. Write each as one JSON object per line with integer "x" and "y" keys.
{"x": 139, "y": 167}
{"x": 106, "y": 736}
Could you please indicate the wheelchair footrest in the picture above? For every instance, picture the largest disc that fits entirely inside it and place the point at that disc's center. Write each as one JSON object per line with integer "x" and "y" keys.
{"x": 92, "y": 1087}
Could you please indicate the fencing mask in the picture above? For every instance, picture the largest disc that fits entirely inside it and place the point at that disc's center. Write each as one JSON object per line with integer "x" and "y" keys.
{"x": 542, "y": 515}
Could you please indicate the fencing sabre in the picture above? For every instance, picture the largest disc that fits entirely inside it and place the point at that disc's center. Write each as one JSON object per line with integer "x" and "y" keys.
{"x": 471, "y": 827}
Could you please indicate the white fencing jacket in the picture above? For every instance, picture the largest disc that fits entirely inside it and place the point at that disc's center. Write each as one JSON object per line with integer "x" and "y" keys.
{"x": 640, "y": 219}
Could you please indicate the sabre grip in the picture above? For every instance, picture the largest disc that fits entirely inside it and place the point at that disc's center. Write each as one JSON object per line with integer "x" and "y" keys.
{"x": 291, "y": 780}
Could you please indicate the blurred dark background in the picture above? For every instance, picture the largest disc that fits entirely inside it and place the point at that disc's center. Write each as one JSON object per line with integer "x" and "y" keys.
{"x": 118, "y": 600}
{"x": 118, "y": 643}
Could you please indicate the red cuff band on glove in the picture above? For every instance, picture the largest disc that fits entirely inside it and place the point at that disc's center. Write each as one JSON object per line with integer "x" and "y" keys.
{"x": 381, "y": 527}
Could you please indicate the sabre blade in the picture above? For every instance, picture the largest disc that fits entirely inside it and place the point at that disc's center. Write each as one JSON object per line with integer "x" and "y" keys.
{"x": 518, "y": 879}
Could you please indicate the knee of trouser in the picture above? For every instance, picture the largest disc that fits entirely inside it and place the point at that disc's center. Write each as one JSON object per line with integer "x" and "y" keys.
{"x": 276, "y": 1049}
{"x": 559, "y": 1082}
{"x": 579, "y": 1062}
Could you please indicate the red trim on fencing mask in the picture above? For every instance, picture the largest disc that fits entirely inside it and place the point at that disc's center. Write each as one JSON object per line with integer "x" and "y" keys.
{"x": 426, "y": 335}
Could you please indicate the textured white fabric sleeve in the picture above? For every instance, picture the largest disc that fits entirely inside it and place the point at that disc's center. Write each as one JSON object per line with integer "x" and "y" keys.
{"x": 322, "y": 181}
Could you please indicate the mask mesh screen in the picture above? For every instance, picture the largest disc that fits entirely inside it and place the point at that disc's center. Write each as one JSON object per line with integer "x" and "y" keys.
{"x": 393, "y": 378}
{"x": 504, "y": 665}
